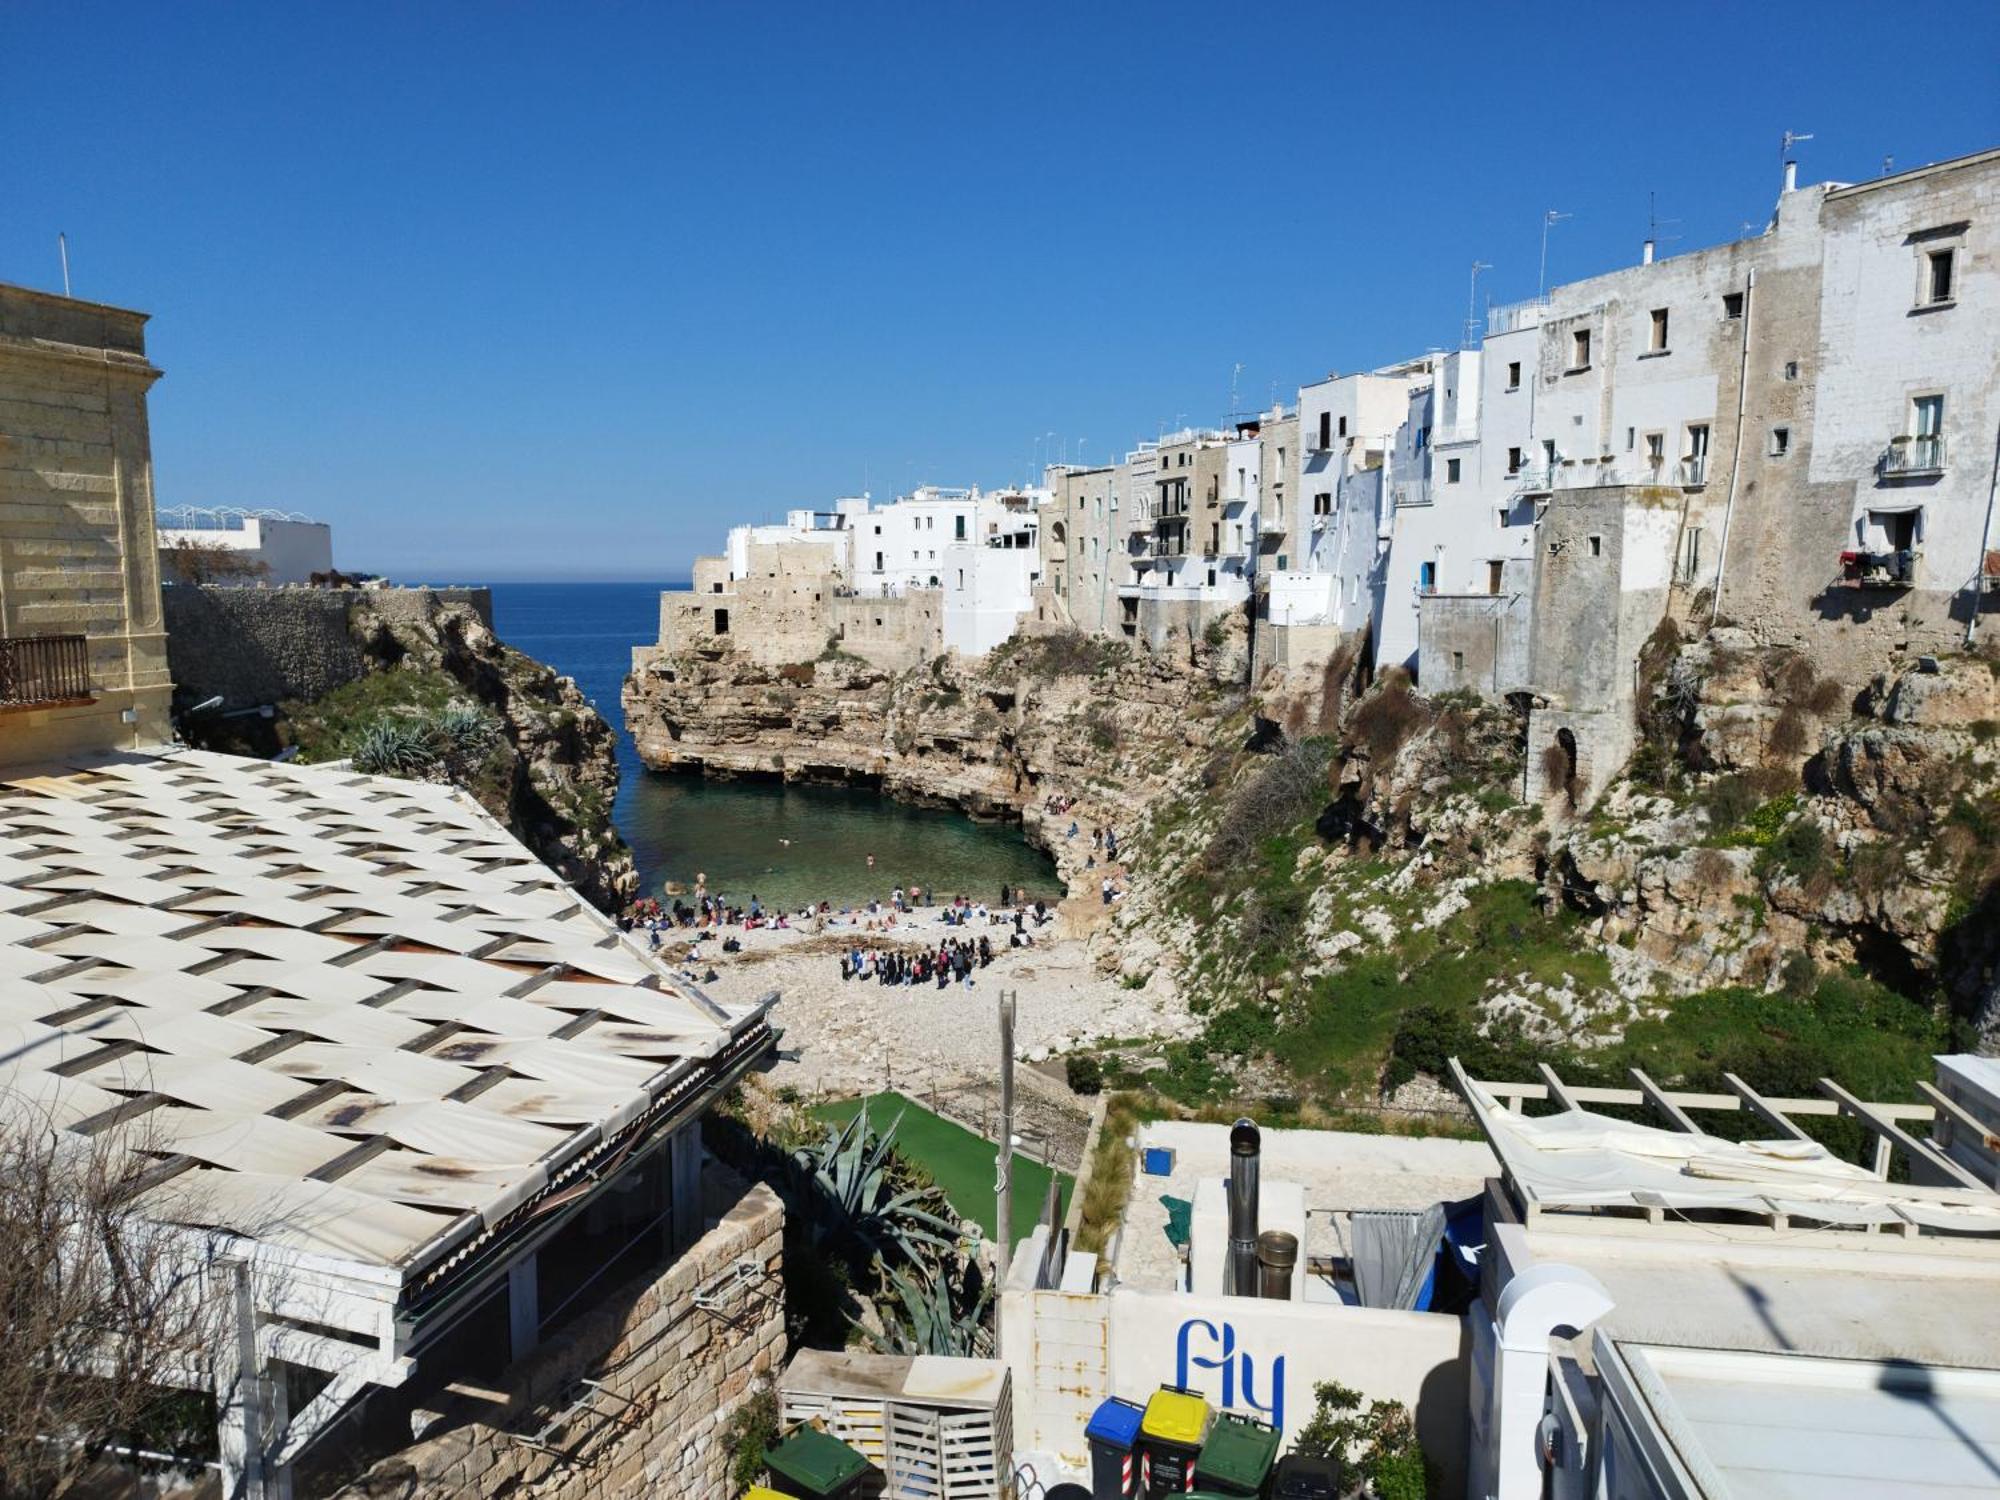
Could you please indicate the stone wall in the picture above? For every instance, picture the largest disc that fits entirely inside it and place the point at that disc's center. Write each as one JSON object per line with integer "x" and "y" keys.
{"x": 77, "y": 553}
{"x": 1475, "y": 642}
{"x": 683, "y": 1370}
{"x": 256, "y": 646}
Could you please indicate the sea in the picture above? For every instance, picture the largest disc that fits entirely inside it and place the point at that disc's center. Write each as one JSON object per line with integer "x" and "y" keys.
{"x": 786, "y": 844}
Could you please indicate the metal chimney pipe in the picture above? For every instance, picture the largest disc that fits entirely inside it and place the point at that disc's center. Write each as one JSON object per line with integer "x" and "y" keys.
{"x": 1244, "y": 1153}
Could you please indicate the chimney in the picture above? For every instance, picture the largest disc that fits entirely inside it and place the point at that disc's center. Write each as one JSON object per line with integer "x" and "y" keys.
{"x": 1646, "y": 254}
{"x": 1244, "y": 1149}
{"x": 1791, "y": 177}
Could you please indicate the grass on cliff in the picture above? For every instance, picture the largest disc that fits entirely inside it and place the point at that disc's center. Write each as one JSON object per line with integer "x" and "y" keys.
{"x": 333, "y": 727}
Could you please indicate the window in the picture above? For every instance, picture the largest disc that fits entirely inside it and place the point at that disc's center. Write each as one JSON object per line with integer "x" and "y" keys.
{"x": 1579, "y": 349}
{"x": 1732, "y": 304}
{"x": 1928, "y": 412}
{"x": 1629, "y": 438}
{"x": 1451, "y": 471}
{"x": 1659, "y": 343}
{"x": 878, "y": 532}
{"x": 961, "y": 578}
{"x": 1458, "y": 661}
{"x": 1323, "y": 504}
{"x": 722, "y": 622}
{"x": 1513, "y": 460}
{"x": 716, "y": 589}
{"x": 1696, "y": 466}
{"x": 1326, "y": 429}
{"x": 1938, "y": 266}
{"x": 1500, "y": 518}
{"x": 1211, "y": 578}
{"x": 959, "y": 530}
{"x": 1283, "y": 562}
{"x": 1597, "y": 546}
{"x": 1656, "y": 449}
{"x": 1493, "y": 568}
{"x": 1791, "y": 369}
{"x": 1781, "y": 441}
{"x": 1343, "y": 427}
{"x": 1514, "y": 375}
{"x": 1427, "y": 577}
{"x": 878, "y": 557}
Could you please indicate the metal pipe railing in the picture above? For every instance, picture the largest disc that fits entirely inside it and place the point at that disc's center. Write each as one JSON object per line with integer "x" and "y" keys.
{"x": 43, "y": 669}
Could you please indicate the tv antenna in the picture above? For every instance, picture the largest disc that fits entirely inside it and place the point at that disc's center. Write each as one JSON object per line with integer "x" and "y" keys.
{"x": 1549, "y": 221}
{"x": 1789, "y": 140}
{"x": 1654, "y": 222}
{"x": 62, "y": 249}
{"x": 1472, "y": 305}
{"x": 1234, "y": 375}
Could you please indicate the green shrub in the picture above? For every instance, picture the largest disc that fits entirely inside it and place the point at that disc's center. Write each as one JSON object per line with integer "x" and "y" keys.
{"x": 1084, "y": 1073}
{"x": 394, "y": 746}
{"x": 752, "y": 1428}
{"x": 1798, "y": 849}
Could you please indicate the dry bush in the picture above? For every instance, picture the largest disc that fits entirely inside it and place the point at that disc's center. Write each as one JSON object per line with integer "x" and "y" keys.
{"x": 189, "y": 561}
{"x": 1557, "y": 770}
{"x": 1289, "y": 786}
{"x": 1712, "y": 869}
{"x": 1388, "y": 718}
{"x": 105, "y": 1309}
{"x": 1788, "y": 734}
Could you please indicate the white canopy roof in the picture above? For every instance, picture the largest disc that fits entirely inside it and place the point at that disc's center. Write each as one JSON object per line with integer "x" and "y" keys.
{"x": 263, "y": 976}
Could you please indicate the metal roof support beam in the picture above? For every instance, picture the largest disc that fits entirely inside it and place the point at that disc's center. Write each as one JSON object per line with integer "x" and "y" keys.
{"x": 1888, "y": 1133}
{"x": 1764, "y": 1110}
{"x": 1657, "y": 1098}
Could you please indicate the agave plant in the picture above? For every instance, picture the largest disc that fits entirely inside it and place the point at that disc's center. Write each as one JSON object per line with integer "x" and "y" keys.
{"x": 860, "y": 1201}
{"x": 394, "y": 746}
{"x": 945, "y": 1309}
{"x": 463, "y": 736}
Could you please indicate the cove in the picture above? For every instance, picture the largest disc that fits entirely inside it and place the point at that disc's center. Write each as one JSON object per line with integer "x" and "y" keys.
{"x": 730, "y": 830}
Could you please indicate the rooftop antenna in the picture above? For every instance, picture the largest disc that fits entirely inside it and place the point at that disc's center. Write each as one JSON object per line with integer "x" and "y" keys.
{"x": 1234, "y": 376}
{"x": 1653, "y": 223}
{"x": 1472, "y": 305}
{"x": 62, "y": 249}
{"x": 1549, "y": 221}
{"x": 1790, "y": 139}
{"x": 1888, "y": 165}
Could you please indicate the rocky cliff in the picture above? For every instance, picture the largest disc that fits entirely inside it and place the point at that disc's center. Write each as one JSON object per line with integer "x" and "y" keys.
{"x": 1063, "y": 716}
{"x": 319, "y": 672}
{"x": 1346, "y": 879}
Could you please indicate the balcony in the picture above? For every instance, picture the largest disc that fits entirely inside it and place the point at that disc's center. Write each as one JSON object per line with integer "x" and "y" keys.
{"x": 44, "y": 670}
{"x": 1879, "y": 570}
{"x": 1914, "y": 457}
{"x": 1694, "y": 472}
{"x": 1532, "y": 481}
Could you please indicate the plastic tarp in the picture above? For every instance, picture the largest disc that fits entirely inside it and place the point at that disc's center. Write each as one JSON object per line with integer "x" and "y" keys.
{"x": 1580, "y": 1159}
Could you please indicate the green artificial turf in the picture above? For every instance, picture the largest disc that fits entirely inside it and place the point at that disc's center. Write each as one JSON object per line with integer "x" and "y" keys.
{"x": 960, "y": 1161}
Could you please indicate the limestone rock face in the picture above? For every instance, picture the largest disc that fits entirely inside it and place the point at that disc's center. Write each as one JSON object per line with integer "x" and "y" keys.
{"x": 560, "y": 776}
{"x": 1108, "y": 726}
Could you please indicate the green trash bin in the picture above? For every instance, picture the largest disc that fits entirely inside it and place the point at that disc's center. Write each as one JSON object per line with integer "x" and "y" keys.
{"x": 811, "y": 1465}
{"x": 1237, "y": 1457}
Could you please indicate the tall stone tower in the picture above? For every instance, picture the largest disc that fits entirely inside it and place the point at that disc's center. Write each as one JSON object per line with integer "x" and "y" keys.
{"x": 83, "y": 652}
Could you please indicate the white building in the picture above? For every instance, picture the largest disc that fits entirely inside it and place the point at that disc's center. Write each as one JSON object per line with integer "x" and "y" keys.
{"x": 900, "y": 546}
{"x": 821, "y": 529}
{"x": 989, "y": 584}
{"x": 276, "y": 547}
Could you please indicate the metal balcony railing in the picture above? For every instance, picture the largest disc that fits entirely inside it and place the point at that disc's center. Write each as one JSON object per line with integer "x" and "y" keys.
{"x": 1694, "y": 472}
{"x": 43, "y": 669}
{"x": 1917, "y": 455}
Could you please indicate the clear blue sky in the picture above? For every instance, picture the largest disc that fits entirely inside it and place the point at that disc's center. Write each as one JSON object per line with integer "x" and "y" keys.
{"x": 508, "y": 290}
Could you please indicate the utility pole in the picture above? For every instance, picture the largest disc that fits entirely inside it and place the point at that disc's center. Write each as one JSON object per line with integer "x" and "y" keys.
{"x": 1003, "y": 1162}
{"x": 1549, "y": 221}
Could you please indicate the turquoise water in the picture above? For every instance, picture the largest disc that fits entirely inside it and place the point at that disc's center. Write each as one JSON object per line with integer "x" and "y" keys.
{"x": 786, "y": 844}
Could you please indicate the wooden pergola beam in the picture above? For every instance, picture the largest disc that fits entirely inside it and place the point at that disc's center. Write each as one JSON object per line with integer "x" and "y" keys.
{"x": 1657, "y": 1098}
{"x": 1889, "y": 1134}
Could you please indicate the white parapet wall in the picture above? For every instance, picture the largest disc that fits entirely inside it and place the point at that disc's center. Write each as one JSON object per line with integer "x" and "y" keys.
{"x": 1070, "y": 1350}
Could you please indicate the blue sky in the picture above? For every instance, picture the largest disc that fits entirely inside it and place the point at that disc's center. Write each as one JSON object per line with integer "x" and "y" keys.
{"x": 510, "y": 290}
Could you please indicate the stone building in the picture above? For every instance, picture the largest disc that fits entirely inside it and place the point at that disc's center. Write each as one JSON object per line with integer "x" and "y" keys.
{"x": 83, "y": 652}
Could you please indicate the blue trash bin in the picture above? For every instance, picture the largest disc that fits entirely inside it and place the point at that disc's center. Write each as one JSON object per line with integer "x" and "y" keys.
{"x": 1113, "y": 1434}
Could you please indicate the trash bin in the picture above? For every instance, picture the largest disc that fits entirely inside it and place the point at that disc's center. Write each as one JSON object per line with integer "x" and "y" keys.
{"x": 1170, "y": 1438}
{"x": 811, "y": 1465}
{"x": 1236, "y": 1459}
{"x": 1113, "y": 1435}
{"x": 1299, "y": 1478}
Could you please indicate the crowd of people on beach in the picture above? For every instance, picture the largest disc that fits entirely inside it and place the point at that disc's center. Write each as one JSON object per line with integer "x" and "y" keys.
{"x": 698, "y": 916}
